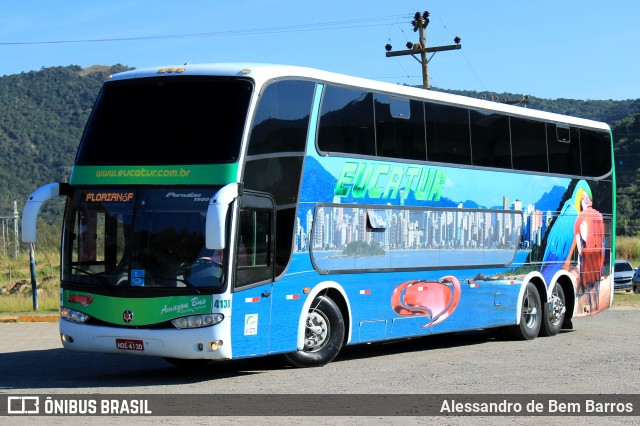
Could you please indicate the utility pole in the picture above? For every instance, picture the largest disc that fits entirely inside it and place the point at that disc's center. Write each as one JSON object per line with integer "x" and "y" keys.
{"x": 15, "y": 228}
{"x": 420, "y": 23}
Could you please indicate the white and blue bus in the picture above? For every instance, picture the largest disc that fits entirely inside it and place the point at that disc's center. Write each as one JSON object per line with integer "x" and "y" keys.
{"x": 227, "y": 211}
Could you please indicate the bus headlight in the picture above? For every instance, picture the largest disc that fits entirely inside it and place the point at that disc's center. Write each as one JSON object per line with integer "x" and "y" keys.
{"x": 73, "y": 315}
{"x": 196, "y": 321}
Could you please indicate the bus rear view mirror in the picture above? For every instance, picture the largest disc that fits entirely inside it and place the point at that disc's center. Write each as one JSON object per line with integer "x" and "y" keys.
{"x": 32, "y": 207}
{"x": 217, "y": 215}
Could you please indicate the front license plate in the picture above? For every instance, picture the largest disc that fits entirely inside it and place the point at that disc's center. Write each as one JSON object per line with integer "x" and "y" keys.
{"x": 130, "y": 345}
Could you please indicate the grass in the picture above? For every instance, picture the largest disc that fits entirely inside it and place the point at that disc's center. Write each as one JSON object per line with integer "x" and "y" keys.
{"x": 15, "y": 283}
{"x": 625, "y": 299}
{"x": 628, "y": 248}
{"x": 22, "y": 302}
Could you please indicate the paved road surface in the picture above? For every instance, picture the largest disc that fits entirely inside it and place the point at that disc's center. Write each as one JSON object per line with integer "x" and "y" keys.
{"x": 601, "y": 356}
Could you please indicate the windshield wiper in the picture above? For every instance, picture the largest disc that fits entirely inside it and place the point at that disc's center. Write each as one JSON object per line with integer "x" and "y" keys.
{"x": 100, "y": 276}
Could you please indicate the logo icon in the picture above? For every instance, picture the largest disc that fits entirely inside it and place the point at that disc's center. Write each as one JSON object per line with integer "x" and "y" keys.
{"x": 23, "y": 405}
{"x": 127, "y": 316}
{"x": 250, "y": 324}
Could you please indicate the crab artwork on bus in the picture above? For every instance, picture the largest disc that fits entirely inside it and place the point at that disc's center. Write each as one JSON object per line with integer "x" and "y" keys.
{"x": 435, "y": 300}
{"x": 298, "y": 211}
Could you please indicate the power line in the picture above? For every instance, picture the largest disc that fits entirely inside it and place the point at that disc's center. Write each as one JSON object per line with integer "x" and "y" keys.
{"x": 474, "y": 72}
{"x": 333, "y": 25}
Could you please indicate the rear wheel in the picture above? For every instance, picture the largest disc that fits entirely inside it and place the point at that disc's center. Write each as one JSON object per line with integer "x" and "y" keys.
{"x": 530, "y": 315}
{"x": 553, "y": 312}
{"x": 323, "y": 336}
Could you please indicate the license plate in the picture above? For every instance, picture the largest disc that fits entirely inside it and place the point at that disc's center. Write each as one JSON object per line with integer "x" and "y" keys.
{"x": 130, "y": 345}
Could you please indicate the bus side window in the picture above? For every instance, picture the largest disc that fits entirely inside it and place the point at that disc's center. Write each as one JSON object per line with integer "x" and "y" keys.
{"x": 528, "y": 145}
{"x": 448, "y": 138}
{"x": 400, "y": 131}
{"x": 595, "y": 152}
{"x": 346, "y": 121}
{"x": 564, "y": 149}
{"x": 244, "y": 238}
{"x": 254, "y": 247}
{"x": 491, "y": 144}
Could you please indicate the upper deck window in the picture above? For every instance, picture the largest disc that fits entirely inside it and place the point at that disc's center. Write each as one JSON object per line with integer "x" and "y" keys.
{"x": 528, "y": 144}
{"x": 163, "y": 121}
{"x": 563, "y": 145}
{"x": 366, "y": 123}
{"x": 595, "y": 152}
{"x": 490, "y": 139}
{"x": 282, "y": 118}
{"x": 346, "y": 121}
{"x": 400, "y": 131}
{"x": 448, "y": 137}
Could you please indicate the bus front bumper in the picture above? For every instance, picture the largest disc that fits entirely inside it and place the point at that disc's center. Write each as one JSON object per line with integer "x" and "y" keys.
{"x": 197, "y": 343}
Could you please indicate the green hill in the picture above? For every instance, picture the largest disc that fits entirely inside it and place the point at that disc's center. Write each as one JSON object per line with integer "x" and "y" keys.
{"x": 43, "y": 114}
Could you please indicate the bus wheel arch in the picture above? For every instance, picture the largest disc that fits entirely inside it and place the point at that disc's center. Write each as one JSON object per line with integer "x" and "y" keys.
{"x": 325, "y": 322}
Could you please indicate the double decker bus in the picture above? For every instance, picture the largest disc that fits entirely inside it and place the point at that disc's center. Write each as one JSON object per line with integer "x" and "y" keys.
{"x": 224, "y": 211}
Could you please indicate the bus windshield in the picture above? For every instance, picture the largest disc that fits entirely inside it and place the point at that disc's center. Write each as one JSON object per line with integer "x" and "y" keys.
{"x": 203, "y": 117}
{"x": 148, "y": 237}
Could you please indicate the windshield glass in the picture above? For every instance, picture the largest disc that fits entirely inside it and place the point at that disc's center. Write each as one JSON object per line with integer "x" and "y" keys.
{"x": 203, "y": 118}
{"x": 623, "y": 267}
{"x": 141, "y": 238}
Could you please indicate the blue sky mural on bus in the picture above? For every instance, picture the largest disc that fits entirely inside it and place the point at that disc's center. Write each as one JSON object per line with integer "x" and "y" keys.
{"x": 364, "y": 181}
{"x": 543, "y": 192}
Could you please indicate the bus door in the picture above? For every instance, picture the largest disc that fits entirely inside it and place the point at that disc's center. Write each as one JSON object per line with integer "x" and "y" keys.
{"x": 254, "y": 269}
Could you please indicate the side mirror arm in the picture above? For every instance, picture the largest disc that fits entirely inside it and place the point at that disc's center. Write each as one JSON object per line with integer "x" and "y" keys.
{"x": 33, "y": 204}
{"x": 216, "y": 222}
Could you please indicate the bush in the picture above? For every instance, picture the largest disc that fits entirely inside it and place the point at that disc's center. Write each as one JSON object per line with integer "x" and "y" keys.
{"x": 628, "y": 248}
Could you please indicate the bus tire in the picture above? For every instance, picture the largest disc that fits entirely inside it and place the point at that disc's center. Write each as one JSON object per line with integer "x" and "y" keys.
{"x": 553, "y": 313}
{"x": 324, "y": 334}
{"x": 530, "y": 315}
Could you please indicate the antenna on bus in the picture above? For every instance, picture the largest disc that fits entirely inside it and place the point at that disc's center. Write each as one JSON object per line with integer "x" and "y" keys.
{"x": 420, "y": 23}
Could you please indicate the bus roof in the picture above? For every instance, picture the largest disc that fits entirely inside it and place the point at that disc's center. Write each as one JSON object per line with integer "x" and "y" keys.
{"x": 262, "y": 73}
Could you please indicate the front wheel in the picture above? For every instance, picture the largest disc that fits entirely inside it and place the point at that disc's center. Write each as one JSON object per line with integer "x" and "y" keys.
{"x": 530, "y": 315}
{"x": 323, "y": 336}
{"x": 553, "y": 312}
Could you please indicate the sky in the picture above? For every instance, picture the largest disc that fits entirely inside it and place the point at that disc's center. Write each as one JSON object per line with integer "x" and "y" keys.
{"x": 575, "y": 49}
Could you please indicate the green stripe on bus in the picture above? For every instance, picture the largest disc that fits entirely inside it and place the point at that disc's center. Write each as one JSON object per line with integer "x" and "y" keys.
{"x": 136, "y": 311}
{"x": 211, "y": 174}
